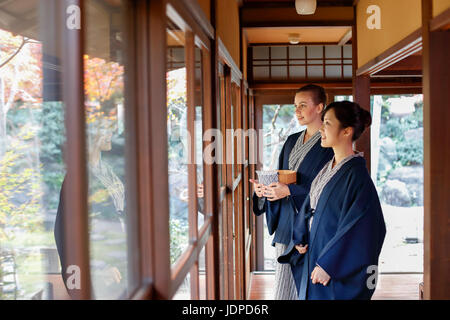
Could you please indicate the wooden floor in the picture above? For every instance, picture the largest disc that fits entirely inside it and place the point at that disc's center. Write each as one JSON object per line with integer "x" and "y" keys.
{"x": 389, "y": 287}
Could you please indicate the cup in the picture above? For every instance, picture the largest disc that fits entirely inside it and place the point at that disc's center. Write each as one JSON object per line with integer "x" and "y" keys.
{"x": 266, "y": 177}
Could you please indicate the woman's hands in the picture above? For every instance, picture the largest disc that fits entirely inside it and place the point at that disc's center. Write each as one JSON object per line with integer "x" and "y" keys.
{"x": 259, "y": 188}
{"x": 276, "y": 191}
{"x": 320, "y": 276}
{"x": 301, "y": 249}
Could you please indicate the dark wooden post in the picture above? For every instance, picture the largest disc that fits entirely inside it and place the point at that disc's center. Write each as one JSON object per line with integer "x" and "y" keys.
{"x": 75, "y": 192}
{"x": 361, "y": 94}
{"x": 436, "y": 96}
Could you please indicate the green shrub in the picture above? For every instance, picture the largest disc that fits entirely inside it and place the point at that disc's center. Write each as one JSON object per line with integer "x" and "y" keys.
{"x": 410, "y": 152}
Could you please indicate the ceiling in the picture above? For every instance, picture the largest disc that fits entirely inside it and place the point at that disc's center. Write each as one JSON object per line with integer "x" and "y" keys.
{"x": 277, "y": 35}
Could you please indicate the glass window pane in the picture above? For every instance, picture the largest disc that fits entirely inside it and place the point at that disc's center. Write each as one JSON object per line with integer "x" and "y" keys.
{"x": 343, "y": 98}
{"x": 297, "y": 72}
{"x": 278, "y": 53}
{"x": 348, "y": 51}
{"x": 397, "y": 170}
{"x": 275, "y": 135}
{"x": 333, "y": 71}
{"x": 220, "y": 123}
{"x": 296, "y": 52}
{"x": 184, "y": 290}
{"x": 315, "y": 52}
{"x": 202, "y": 274}
{"x": 260, "y": 73}
{"x": 315, "y": 71}
{"x": 285, "y": 123}
{"x": 348, "y": 70}
{"x": 32, "y": 136}
{"x": 279, "y": 72}
{"x": 105, "y": 107}
{"x": 332, "y": 51}
{"x": 178, "y": 140}
{"x": 199, "y": 134}
{"x": 260, "y": 52}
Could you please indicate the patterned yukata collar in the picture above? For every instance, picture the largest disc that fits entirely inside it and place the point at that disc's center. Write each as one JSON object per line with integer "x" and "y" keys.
{"x": 340, "y": 164}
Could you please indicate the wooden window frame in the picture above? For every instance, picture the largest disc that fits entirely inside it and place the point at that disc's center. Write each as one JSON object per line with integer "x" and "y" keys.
{"x": 299, "y": 62}
{"x": 198, "y": 239}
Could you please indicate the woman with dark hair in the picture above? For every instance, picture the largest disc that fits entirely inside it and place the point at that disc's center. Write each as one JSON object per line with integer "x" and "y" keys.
{"x": 107, "y": 220}
{"x": 302, "y": 153}
{"x": 340, "y": 229}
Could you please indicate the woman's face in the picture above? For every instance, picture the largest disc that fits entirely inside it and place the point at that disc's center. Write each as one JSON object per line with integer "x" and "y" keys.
{"x": 305, "y": 108}
{"x": 331, "y": 131}
{"x": 104, "y": 139}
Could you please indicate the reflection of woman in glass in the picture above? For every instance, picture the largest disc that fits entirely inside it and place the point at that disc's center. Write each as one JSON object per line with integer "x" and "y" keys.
{"x": 106, "y": 217}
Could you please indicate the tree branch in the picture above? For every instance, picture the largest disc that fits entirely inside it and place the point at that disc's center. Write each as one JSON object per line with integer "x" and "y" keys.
{"x": 24, "y": 42}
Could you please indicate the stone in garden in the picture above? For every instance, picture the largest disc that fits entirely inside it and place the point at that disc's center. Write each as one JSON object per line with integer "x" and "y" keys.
{"x": 414, "y": 134}
{"x": 388, "y": 149}
{"x": 412, "y": 176}
{"x": 395, "y": 193}
{"x": 384, "y": 164}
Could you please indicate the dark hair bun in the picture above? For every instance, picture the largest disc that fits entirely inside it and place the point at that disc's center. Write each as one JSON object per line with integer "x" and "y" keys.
{"x": 350, "y": 114}
{"x": 365, "y": 117}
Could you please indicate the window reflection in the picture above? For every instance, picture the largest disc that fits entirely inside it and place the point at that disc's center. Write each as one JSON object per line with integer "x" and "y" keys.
{"x": 104, "y": 110}
{"x": 178, "y": 140}
{"x": 184, "y": 290}
{"x": 279, "y": 121}
{"x": 199, "y": 134}
{"x": 31, "y": 140}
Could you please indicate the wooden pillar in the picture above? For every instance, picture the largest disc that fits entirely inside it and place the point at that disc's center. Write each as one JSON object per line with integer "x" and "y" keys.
{"x": 211, "y": 96}
{"x": 259, "y": 223}
{"x": 159, "y": 182}
{"x": 436, "y": 158}
{"x": 76, "y": 237}
{"x": 361, "y": 95}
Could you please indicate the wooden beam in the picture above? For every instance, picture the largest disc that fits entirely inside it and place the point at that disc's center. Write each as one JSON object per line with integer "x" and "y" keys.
{"x": 398, "y": 74}
{"x": 412, "y": 63}
{"x": 236, "y": 74}
{"x": 441, "y": 22}
{"x": 345, "y": 38}
{"x": 199, "y": 16}
{"x": 288, "y": 17}
{"x": 401, "y": 50}
{"x": 436, "y": 50}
